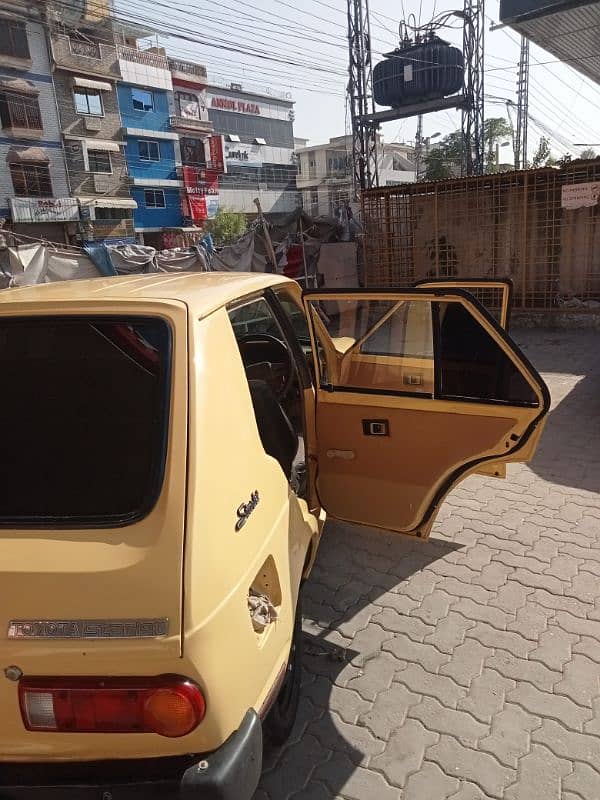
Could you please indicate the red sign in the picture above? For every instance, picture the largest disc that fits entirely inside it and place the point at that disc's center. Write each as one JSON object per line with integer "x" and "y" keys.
{"x": 201, "y": 191}
{"x": 217, "y": 159}
{"x": 228, "y": 104}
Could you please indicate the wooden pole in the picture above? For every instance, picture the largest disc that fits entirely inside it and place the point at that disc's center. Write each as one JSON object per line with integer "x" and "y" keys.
{"x": 269, "y": 243}
{"x": 306, "y": 286}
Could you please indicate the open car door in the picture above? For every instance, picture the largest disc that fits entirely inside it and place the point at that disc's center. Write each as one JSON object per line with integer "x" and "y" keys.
{"x": 494, "y": 294}
{"x": 416, "y": 390}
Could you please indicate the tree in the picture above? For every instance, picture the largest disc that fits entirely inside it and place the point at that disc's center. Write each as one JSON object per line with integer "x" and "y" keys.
{"x": 227, "y": 226}
{"x": 494, "y": 129}
{"x": 443, "y": 160}
{"x": 542, "y": 156}
{"x": 588, "y": 154}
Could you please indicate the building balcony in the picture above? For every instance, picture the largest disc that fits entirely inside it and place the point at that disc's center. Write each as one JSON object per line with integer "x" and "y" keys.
{"x": 91, "y": 58}
{"x": 188, "y": 72}
{"x": 145, "y": 67}
{"x": 179, "y": 123}
{"x": 145, "y": 57}
{"x": 109, "y": 229}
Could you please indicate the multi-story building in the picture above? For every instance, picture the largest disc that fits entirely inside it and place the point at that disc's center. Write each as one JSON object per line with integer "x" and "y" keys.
{"x": 152, "y": 146}
{"x": 258, "y": 132}
{"x": 325, "y": 172}
{"x": 34, "y": 189}
{"x": 86, "y": 71}
{"x": 201, "y": 153}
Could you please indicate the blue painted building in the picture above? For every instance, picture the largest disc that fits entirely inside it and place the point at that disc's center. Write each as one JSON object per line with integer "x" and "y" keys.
{"x": 152, "y": 148}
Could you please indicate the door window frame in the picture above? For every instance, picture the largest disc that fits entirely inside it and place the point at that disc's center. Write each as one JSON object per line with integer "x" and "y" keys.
{"x": 436, "y": 296}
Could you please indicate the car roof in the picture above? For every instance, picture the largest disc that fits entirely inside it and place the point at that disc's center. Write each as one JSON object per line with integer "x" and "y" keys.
{"x": 202, "y": 292}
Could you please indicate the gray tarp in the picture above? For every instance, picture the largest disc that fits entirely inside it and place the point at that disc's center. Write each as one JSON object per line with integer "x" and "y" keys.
{"x": 31, "y": 264}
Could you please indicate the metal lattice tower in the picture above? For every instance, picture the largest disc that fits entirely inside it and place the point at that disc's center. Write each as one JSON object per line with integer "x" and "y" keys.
{"x": 360, "y": 92}
{"x": 473, "y": 113}
{"x": 522, "y": 106}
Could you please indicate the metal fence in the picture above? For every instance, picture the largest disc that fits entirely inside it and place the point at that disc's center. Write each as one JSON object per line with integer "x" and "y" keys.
{"x": 506, "y": 225}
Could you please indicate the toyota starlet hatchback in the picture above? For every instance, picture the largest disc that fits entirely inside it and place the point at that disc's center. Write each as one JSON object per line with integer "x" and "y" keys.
{"x": 169, "y": 447}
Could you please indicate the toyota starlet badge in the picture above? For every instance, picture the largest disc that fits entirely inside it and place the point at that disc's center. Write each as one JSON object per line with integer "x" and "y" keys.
{"x": 88, "y": 628}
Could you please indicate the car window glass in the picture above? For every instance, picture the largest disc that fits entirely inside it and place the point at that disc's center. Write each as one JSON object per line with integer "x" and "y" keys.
{"x": 380, "y": 345}
{"x": 473, "y": 366}
{"x": 91, "y": 396}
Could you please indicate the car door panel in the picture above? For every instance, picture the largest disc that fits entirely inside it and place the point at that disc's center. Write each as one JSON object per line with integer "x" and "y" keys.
{"x": 388, "y": 449}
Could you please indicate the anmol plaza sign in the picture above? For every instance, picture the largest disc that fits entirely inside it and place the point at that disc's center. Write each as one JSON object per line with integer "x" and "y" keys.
{"x": 229, "y": 104}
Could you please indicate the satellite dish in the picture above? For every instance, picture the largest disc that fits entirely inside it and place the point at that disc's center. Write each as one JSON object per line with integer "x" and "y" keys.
{"x": 69, "y": 14}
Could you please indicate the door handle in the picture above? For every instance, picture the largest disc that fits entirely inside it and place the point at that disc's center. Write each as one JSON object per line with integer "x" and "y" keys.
{"x": 347, "y": 455}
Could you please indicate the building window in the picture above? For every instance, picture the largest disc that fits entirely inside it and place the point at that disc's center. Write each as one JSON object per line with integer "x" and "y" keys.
{"x": 31, "y": 180}
{"x": 188, "y": 105}
{"x": 20, "y": 111}
{"x": 88, "y": 101}
{"x": 154, "y": 198}
{"x": 142, "y": 100}
{"x": 13, "y": 39}
{"x": 192, "y": 152}
{"x": 99, "y": 161}
{"x": 149, "y": 151}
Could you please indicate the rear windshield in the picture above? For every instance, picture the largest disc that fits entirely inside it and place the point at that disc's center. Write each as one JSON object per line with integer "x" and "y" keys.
{"x": 83, "y": 419}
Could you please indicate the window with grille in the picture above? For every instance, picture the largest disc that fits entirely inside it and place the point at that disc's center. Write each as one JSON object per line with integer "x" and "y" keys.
{"x": 20, "y": 111}
{"x": 88, "y": 101}
{"x": 154, "y": 198}
{"x": 13, "y": 39}
{"x": 31, "y": 180}
{"x": 99, "y": 161}
{"x": 149, "y": 151}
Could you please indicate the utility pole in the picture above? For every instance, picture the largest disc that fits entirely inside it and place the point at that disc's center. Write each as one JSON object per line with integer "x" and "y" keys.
{"x": 360, "y": 91}
{"x": 522, "y": 106}
{"x": 419, "y": 148}
{"x": 473, "y": 155}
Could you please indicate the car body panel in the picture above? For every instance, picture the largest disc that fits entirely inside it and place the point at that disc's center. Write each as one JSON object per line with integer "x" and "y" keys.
{"x": 395, "y": 480}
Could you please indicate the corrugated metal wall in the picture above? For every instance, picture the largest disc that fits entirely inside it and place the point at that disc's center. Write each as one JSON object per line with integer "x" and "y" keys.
{"x": 511, "y": 224}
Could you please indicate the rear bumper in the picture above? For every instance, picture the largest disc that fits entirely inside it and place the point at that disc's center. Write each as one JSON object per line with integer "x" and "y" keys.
{"x": 230, "y": 773}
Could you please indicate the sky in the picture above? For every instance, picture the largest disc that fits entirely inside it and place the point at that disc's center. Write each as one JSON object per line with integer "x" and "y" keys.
{"x": 301, "y": 49}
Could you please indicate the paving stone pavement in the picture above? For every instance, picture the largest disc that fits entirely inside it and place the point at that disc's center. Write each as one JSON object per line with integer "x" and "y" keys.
{"x": 468, "y": 666}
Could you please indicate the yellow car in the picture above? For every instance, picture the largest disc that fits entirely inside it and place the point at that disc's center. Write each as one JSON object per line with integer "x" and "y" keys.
{"x": 169, "y": 447}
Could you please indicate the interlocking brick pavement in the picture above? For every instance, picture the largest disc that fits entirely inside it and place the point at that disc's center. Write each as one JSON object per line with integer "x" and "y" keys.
{"x": 466, "y": 667}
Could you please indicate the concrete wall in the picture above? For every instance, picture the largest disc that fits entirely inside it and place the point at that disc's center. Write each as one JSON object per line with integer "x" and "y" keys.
{"x": 155, "y": 120}
{"x": 157, "y": 170}
{"x": 169, "y": 217}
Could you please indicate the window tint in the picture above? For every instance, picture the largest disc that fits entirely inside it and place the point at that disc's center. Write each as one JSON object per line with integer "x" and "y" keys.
{"x": 148, "y": 151}
{"x": 91, "y": 399}
{"x": 88, "y": 101}
{"x": 142, "y": 100}
{"x": 276, "y": 132}
{"x": 254, "y": 317}
{"x": 473, "y": 366}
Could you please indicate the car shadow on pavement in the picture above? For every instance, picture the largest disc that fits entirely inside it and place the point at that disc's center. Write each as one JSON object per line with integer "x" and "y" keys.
{"x": 569, "y": 450}
{"x": 354, "y": 635}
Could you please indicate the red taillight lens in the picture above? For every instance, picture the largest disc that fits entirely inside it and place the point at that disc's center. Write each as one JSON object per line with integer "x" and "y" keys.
{"x": 170, "y": 706}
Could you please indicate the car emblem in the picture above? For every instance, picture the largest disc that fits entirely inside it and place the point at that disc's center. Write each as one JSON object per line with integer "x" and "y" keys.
{"x": 246, "y": 509}
{"x": 88, "y": 628}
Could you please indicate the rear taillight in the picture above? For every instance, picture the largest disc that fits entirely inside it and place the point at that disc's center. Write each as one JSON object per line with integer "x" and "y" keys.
{"x": 170, "y": 706}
